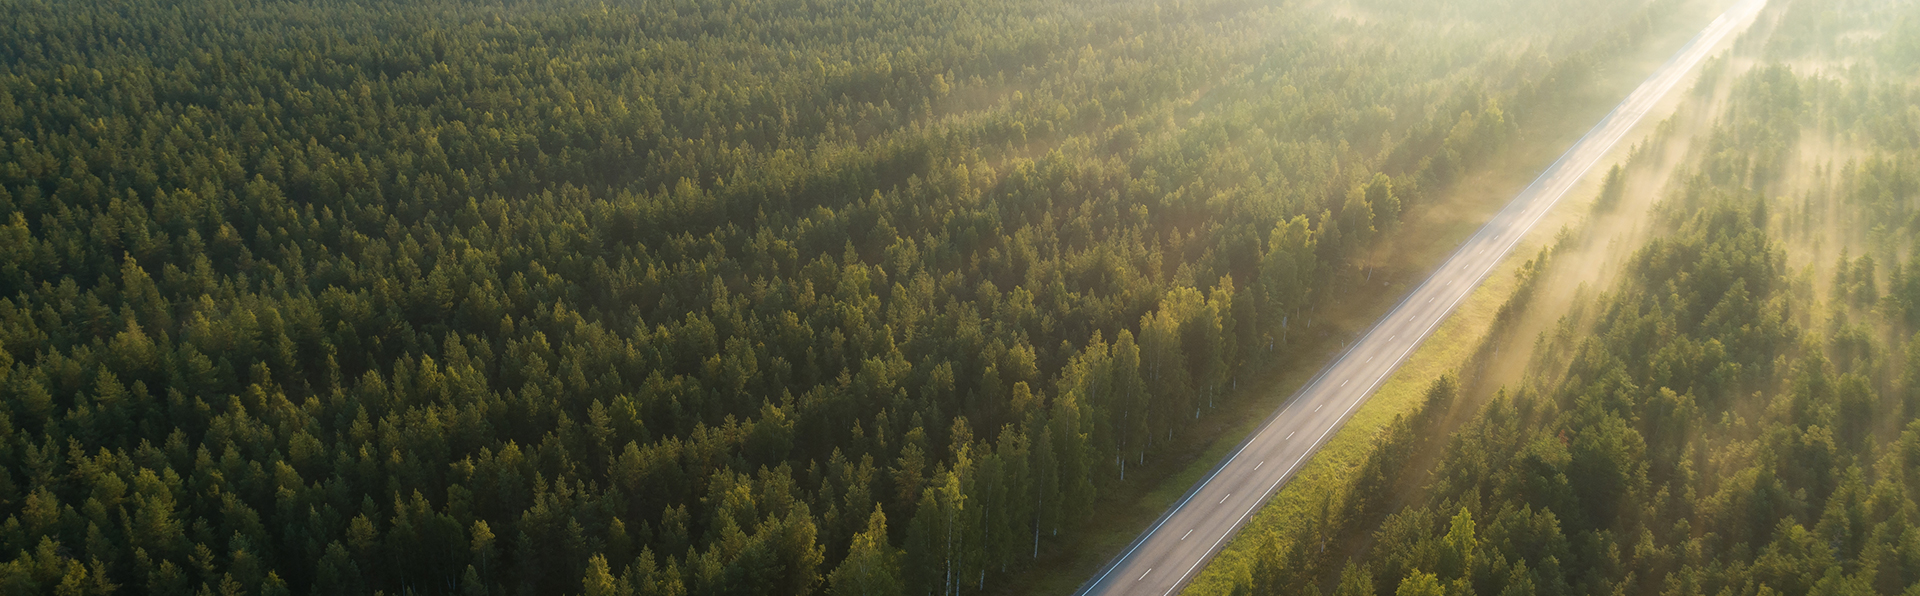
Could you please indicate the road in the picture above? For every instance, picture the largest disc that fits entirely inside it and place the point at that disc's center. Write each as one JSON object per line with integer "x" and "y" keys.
{"x": 1164, "y": 558}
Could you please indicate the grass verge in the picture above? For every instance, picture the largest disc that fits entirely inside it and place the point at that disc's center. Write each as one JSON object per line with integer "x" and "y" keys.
{"x": 1428, "y": 235}
{"x": 1458, "y": 347}
{"x": 1334, "y": 466}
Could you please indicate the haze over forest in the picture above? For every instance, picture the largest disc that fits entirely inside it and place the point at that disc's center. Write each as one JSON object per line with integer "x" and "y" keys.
{"x": 691, "y": 297}
{"x": 1735, "y": 412}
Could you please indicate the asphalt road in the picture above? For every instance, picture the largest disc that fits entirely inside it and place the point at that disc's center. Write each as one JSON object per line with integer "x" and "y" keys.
{"x": 1164, "y": 558}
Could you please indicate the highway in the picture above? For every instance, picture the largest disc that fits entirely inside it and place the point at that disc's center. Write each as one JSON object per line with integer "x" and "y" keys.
{"x": 1164, "y": 558}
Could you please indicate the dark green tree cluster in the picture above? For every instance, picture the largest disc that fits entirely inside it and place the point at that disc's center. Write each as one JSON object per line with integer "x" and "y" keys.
{"x": 785, "y": 296}
{"x": 1720, "y": 425}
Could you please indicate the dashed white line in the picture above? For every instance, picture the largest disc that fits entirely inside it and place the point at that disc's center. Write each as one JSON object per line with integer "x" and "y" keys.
{"x": 1183, "y": 538}
{"x": 1369, "y": 359}
{"x": 1289, "y": 436}
{"x": 1344, "y": 383}
{"x": 1224, "y": 499}
{"x": 1256, "y": 467}
{"x": 1317, "y": 408}
{"x": 1144, "y": 575}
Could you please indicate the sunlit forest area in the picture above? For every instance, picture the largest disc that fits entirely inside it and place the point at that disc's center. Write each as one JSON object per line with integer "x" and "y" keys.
{"x": 1740, "y": 413}
{"x": 809, "y": 296}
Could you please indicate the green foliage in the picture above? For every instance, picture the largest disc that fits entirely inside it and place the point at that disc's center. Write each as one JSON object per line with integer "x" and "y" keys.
{"x": 1611, "y": 190}
{"x": 673, "y": 298}
{"x": 872, "y": 566}
{"x": 1715, "y": 430}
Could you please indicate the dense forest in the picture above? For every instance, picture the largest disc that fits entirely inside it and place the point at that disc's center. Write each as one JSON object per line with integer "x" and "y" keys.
{"x": 1740, "y": 413}
{"x": 679, "y": 297}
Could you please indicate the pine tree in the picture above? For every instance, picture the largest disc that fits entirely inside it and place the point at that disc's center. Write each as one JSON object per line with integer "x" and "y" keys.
{"x": 872, "y": 566}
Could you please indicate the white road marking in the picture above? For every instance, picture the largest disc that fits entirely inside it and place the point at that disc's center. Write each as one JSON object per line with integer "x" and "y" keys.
{"x": 1551, "y": 189}
{"x": 1289, "y": 436}
{"x": 1317, "y": 408}
{"x": 1182, "y": 537}
{"x": 1144, "y": 575}
{"x": 1369, "y": 359}
{"x": 1256, "y": 467}
{"x": 1344, "y": 383}
{"x": 1224, "y": 499}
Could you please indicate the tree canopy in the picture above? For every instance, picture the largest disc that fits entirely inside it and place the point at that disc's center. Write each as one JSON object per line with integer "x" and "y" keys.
{"x": 676, "y": 297}
{"x": 1717, "y": 422}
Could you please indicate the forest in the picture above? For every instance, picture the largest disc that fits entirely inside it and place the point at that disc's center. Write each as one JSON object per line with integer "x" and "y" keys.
{"x": 1740, "y": 413}
{"x": 679, "y": 297}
